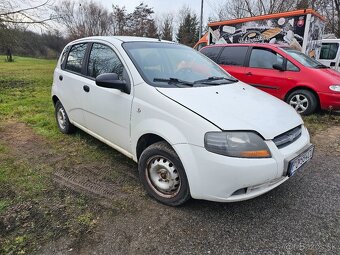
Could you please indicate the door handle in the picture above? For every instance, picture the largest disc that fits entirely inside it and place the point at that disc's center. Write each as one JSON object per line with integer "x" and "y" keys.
{"x": 86, "y": 88}
{"x": 61, "y": 77}
{"x": 249, "y": 73}
{"x": 332, "y": 64}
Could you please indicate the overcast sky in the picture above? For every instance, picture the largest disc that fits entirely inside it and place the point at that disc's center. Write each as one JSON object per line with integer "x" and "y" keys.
{"x": 164, "y": 6}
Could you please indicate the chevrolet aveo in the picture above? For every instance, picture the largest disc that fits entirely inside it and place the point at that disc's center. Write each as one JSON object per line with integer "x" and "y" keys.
{"x": 194, "y": 130}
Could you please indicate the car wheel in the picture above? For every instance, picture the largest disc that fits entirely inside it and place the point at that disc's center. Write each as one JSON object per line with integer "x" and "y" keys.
{"x": 63, "y": 121}
{"x": 163, "y": 175}
{"x": 303, "y": 101}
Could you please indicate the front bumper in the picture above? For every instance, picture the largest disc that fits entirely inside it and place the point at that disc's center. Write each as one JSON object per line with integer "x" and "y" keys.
{"x": 225, "y": 179}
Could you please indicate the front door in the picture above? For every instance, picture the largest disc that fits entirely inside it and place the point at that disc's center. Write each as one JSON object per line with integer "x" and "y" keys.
{"x": 261, "y": 74}
{"x": 107, "y": 111}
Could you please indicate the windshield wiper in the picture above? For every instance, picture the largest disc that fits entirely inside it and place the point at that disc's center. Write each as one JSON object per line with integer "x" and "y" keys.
{"x": 321, "y": 66}
{"x": 215, "y": 78}
{"x": 174, "y": 81}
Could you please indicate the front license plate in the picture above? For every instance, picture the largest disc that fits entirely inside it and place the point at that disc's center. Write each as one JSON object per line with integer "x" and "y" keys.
{"x": 300, "y": 160}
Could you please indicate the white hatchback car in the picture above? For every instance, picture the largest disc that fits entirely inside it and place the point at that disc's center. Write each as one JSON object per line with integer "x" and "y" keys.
{"x": 194, "y": 130}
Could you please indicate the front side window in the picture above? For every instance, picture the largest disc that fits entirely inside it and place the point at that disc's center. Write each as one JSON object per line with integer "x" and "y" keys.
{"x": 233, "y": 56}
{"x": 76, "y": 57}
{"x": 172, "y": 65}
{"x": 329, "y": 51}
{"x": 264, "y": 58}
{"x": 104, "y": 60}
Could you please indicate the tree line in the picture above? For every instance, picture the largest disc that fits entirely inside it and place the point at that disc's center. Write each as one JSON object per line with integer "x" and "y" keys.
{"x": 42, "y": 30}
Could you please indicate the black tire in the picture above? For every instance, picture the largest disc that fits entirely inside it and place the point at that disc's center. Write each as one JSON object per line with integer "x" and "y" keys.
{"x": 62, "y": 119}
{"x": 303, "y": 101}
{"x": 160, "y": 161}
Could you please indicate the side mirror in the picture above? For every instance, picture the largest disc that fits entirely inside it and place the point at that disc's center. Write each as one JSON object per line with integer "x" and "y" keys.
{"x": 111, "y": 81}
{"x": 278, "y": 67}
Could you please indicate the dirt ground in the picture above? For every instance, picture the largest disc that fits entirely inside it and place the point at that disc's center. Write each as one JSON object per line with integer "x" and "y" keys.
{"x": 126, "y": 221}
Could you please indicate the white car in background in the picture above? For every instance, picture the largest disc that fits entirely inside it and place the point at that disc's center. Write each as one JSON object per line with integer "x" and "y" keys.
{"x": 194, "y": 130}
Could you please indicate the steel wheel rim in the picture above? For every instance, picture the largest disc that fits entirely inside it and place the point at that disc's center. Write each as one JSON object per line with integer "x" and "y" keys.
{"x": 163, "y": 177}
{"x": 299, "y": 102}
{"x": 61, "y": 116}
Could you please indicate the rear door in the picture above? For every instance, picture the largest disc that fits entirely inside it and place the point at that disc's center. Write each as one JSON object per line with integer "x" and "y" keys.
{"x": 260, "y": 73}
{"x": 70, "y": 82}
{"x": 330, "y": 55}
{"x": 232, "y": 59}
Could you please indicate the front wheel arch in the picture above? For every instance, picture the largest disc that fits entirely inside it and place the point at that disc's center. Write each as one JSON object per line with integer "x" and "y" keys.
{"x": 304, "y": 88}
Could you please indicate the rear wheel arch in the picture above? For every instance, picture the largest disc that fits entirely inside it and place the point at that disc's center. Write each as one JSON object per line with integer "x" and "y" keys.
{"x": 55, "y": 99}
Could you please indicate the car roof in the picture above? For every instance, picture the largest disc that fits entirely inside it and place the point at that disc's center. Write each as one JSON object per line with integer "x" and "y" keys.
{"x": 119, "y": 39}
{"x": 268, "y": 45}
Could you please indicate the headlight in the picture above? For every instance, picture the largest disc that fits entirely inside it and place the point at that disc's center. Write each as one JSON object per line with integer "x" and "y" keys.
{"x": 335, "y": 88}
{"x": 236, "y": 144}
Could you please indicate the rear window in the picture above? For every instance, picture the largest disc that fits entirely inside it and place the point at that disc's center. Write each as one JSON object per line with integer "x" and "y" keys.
{"x": 233, "y": 56}
{"x": 211, "y": 52}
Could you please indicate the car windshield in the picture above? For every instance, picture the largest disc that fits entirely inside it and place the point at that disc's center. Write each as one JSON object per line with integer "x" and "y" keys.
{"x": 303, "y": 58}
{"x": 164, "y": 64}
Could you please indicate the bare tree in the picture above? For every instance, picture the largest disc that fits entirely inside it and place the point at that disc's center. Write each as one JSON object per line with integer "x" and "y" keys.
{"x": 25, "y": 12}
{"x": 85, "y": 18}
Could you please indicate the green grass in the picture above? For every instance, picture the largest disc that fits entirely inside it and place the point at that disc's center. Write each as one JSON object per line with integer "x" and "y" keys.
{"x": 41, "y": 212}
{"x": 25, "y": 93}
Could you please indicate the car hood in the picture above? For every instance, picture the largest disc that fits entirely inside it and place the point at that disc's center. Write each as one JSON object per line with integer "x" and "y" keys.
{"x": 331, "y": 75}
{"x": 237, "y": 106}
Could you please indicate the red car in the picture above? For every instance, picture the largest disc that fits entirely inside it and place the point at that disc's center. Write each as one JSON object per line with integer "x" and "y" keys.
{"x": 288, "y": 74}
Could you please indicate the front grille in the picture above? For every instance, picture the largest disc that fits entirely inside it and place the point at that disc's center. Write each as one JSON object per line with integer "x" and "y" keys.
{"x": 287, "y": 137}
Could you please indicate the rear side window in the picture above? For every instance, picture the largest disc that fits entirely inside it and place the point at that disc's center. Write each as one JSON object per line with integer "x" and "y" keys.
{"x": 212, "y": 52}
{"x": 264, "y": 58}
{"x": 233, "y": 56}
{"x": 104, "y": 60}
{"x": 76, "y": 57}
{"x": 329, "y": 50}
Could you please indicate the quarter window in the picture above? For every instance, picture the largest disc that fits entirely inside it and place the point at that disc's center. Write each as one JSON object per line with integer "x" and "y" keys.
{"x": 233, "y": 56}
{"x": 264, "y": 58}
{"x": 104, "y": 60}
{"x": 329, "y": 51}
{"x": 292, "y": 67}
{"x": 76, "y": 57}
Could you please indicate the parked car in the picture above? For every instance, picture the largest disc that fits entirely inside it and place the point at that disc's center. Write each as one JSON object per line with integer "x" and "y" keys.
{"x": 194, "y": 130}
{"x": 288, "y": 74}
{"x": 330, "y": 53}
